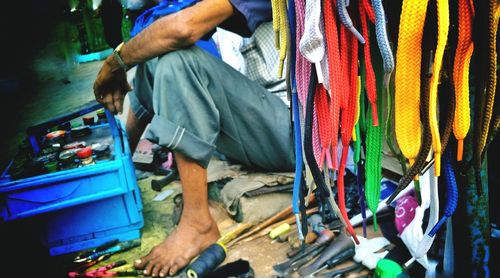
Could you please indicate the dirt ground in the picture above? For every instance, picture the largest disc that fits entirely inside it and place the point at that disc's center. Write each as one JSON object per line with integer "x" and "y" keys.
{"x": 262, "y": 253}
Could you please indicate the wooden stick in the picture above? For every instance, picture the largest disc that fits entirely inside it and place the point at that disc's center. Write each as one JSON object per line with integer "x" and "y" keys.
{"x": 277, "y": 217}
{"x": 229, "y": 236}
{"x": 267, "y": 230}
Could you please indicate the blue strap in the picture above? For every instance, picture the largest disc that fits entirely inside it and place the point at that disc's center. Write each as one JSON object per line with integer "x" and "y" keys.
{"x": 451, "y": 192}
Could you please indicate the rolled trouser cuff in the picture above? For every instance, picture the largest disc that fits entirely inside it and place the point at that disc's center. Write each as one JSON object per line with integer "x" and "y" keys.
{"x": 179, "y": 139}
{"x": 139, "y": 110}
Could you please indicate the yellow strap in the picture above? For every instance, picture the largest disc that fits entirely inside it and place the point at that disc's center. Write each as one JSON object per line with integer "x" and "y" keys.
{"x": 407, "y": 77}
{"x": 356, "y": 113}
{"x": 280, "y": 27}
{"x": 443, "y": 14}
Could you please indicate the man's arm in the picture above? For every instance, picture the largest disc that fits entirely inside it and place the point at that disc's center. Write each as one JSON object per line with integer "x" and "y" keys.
{"x": 176, "y": 31}
{"x": 169, "y": 33}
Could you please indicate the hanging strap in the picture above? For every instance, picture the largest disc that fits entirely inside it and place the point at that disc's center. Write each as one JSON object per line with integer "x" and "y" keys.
{"x": 325, "y": 125}
{"x": 324, "y": 190}
{"x": 447, "y": 109}
{"x": 302, "y": 65}
{"x": 345, "y": 19}
{"x": 348, "y": 112}
{"x": 312, "y": 44}
{"x": 280, "y": 27}
{"x": 297, "y": 197}
{"x": 371, "y": 90}
{"x": 382, "y": 39}
{"x": 373, "y": 166}
{"x": 407, "y": 84}
{"x": 443, "y": 23}
{"x": 356, "y": 136}
{"x": 334, "y": 70}
{"x": 451, "y": 192}
{"x": 493, "y": 16}
{"x": 463, "y": 54}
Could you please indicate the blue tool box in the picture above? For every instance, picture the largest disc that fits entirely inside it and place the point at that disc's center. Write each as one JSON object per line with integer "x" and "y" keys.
{"x": 83, "y": 207}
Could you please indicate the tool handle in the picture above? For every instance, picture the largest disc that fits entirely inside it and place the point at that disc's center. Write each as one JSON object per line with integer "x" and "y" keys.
{"x": 208, "y": 260}
{"x": 345, "y": 255}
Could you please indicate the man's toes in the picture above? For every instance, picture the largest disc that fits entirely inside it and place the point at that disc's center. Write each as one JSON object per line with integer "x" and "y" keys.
{"x": 164, "y": 271}
{"x": 155, "y": 272}
{"x": 142, "y": 262}
{"x": 148, "y": 270}
{"x": 173, "y": 269}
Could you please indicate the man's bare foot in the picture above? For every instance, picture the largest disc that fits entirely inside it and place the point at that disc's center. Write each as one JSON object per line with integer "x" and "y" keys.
{"x": 189, "y": 239}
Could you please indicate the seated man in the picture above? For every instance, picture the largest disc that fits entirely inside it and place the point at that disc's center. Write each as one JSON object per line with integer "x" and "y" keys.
{"x": 196, "y": 104}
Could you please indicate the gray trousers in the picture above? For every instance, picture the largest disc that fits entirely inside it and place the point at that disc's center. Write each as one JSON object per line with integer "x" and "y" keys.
{"x": 197, "y": 104}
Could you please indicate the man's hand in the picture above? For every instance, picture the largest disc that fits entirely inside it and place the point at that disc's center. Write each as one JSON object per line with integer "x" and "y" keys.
{"x": 111, "y": 86}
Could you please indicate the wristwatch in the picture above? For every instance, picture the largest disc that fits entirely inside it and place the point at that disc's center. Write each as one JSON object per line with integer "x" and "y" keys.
{"x": 118, "y": 58}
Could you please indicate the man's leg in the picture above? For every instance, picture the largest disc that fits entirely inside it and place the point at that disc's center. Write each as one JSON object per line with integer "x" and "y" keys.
{"x": 196, "y": 229}
{"x": 141, "y": 107}
{"x": 201, "y": 104}
{"x": 135, "y": 128}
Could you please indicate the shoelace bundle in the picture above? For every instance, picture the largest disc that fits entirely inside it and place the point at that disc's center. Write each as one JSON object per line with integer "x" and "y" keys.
{"x": 446, "y": 95}
{"x": 463, "y": 54}
{"x": 349, "y": 90}
{"x": 324, "y": 190}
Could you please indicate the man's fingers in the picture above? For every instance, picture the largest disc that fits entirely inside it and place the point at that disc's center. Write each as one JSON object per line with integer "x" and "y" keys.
{"x": 118, "y": 97}
{"x": 109, "y": 103}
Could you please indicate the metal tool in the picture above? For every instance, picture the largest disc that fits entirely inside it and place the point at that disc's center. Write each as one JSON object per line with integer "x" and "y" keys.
{"x": 339, "y": 272}
{"x": 297, "y": 261}
{"x": 336, "y": 247}
{"x": 97, "y": 272}
{"x": 101, "y": 255}
{"x": 171, "y": 176}
{"x": 343, "y": 256}
{"x": 99, "y": 248}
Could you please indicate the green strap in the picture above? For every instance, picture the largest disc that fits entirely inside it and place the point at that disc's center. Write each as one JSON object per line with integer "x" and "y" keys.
{"x": 357, "y": 145}
{"x": 374, "y": 139}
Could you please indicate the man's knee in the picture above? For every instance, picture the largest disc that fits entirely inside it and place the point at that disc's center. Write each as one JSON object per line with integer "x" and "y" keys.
{"x": 182, "y": 59}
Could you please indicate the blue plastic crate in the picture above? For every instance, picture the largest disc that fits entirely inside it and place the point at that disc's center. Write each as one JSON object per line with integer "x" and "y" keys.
{"x": 92, "y": 224}
{"x": 49, "y": 192}
{"x": 83, "y": 207}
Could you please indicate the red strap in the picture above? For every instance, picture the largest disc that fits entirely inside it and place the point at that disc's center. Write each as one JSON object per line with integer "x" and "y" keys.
{"x": 369, "y": 11}
{"x": 348, "y": 114}
{"x": 325, "y": 124}
{"x": 332, "y": 43}
{"x": 371, "y": 90}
